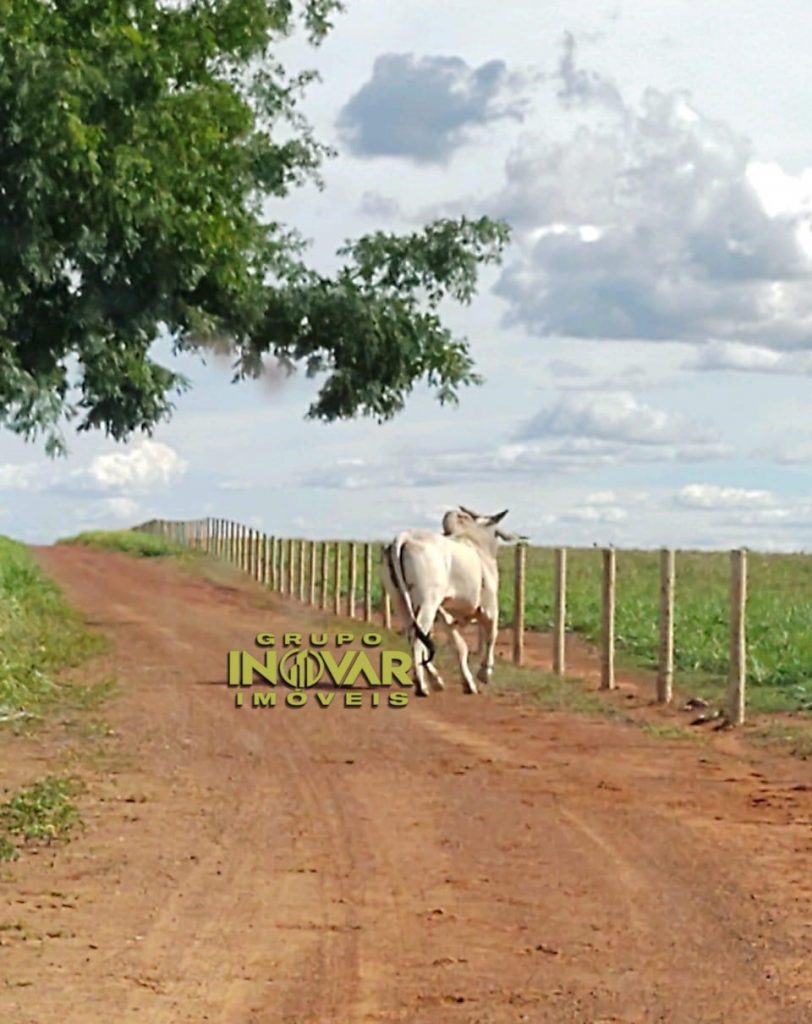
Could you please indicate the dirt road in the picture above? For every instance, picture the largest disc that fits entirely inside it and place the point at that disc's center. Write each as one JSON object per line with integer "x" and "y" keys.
{"x": 463, "y": 859}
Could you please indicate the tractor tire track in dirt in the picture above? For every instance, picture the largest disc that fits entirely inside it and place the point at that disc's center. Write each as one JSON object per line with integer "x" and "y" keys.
{"x": 463, "y": 859}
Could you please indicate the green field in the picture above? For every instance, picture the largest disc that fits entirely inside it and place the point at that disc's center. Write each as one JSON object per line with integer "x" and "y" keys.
{"x": 779, "y": 613}
{"x": 39, "y": 633}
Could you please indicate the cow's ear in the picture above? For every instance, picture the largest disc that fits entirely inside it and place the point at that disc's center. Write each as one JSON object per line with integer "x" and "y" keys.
{"x": 499, "y": 517}
{"x": 468, "y": 512}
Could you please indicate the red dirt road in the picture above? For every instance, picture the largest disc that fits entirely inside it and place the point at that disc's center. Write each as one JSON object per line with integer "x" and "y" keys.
{"x": 463, "y": 859}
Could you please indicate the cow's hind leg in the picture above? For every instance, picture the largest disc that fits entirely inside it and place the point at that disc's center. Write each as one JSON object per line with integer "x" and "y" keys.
{"x": 489, "y": 628}
{"x": 424, "y": 617}
{"x": 436, "y": 678}
{"x": 462, "y": 651}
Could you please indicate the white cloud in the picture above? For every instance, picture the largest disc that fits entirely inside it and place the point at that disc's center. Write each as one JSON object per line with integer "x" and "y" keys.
{"x": 712, "y": 496}
{"x": 148, "y": 465}
{"x": 596, "y": 514}
{"x": 614, "y": 417}
{"x": 601, "y": 498}
{"x": 28, "y": 476}
{"x": 734, "y": 355}
{"x": 686, "y": 236}
{"x": 424, "y": 109}
{"x": 792, "y": 453}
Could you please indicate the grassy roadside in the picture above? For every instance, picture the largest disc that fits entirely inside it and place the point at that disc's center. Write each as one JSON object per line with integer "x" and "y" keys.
{"x": 140, "y": 545}
{"x": 41, "y": 813}
{"x": 40, "y": 635}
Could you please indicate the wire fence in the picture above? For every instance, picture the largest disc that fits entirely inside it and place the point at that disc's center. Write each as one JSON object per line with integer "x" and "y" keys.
{"x": 545, "y": 590}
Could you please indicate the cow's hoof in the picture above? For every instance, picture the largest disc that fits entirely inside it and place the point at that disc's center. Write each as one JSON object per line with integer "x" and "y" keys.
{"x": 421, "y": 693}
{"x": 469, "y": 689}
{"x": 438, "y": 684}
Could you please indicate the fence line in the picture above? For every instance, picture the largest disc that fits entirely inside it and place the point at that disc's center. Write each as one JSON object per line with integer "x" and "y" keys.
{"x": 274, "y": 561}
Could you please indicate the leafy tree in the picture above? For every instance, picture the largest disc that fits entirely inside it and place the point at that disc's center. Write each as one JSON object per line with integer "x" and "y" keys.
{"x": 139, "y": 144}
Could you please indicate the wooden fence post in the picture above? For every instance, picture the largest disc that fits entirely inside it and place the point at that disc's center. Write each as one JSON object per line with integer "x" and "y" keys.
{"x": 276, "y": 547}
{"x": 608, "y": 630}
{"x": 352, "y": 581}
{"x": 665, "y": 666}
{"x": 324, "y": 571}
{"x": 518, "y": 604}
{"x": 368, "y": 583}
{"x": 291, "y": 567}
{"x": 283, "y": 565}
{"x": 560, "y": 613}
{"x": 738, "y": 641}
{"x": 302, "y": 567}
{"x": 387, "y": 611}
{"x": 337, "y": 594}
{"x": 266, "y": 560}
{"x": 312, "y": 588}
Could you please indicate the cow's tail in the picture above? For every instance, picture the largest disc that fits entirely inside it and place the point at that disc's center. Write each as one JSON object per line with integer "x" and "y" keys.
{"x": 394, "y": 558}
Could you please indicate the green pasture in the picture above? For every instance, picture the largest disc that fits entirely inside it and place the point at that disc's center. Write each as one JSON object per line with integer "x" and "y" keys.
{"x": 39, "y": 633}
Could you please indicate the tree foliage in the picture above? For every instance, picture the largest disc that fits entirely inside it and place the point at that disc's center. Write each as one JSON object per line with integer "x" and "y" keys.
{"x": 140, "y": 143}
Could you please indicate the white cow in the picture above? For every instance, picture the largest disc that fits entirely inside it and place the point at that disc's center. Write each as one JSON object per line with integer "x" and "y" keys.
{"x": 454, "y": 575}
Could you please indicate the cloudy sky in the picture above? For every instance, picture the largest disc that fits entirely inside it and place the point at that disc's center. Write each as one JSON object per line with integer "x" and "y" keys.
{"x": 647, "y": 343}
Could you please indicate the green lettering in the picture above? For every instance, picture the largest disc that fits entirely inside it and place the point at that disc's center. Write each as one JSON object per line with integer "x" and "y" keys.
{"x": 250, "y": 665}
{"x": 337, "y": 670}
{"x": 263, "y": 699}
{"x": 395, "y": 666}
{"x": 362, "y": 664}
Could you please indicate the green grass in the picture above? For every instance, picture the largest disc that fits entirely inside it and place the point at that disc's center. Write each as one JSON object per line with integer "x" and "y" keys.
{"x": 130, "y": 542}
{"x": 666, "y": 731}
{"x": 551, "y": 692}
{"x": 39, "y": 634}
{"x": 779, "y": 615}
{"x": 41, "y": 813}
{"x": 796, "y": 739}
